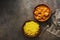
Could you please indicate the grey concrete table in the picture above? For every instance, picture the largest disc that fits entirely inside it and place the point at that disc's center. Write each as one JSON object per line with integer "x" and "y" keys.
{"x": 13, "y": 14}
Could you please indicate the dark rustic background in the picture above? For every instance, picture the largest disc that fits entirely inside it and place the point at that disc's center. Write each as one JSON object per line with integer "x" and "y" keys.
{"x": 13, "y": 13}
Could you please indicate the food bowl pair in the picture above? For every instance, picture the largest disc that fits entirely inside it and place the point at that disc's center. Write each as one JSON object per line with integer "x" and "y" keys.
{"x": 41, "y": 13}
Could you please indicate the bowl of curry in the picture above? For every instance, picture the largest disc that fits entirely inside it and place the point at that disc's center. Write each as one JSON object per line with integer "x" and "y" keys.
{"x": 42, "y": 12}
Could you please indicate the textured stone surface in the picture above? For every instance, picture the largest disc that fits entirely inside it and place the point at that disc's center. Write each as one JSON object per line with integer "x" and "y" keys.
{"x": 13, "y": 13}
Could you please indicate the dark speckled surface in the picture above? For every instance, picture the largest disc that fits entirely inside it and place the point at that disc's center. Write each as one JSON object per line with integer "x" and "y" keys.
{"x": 13, "y": 13}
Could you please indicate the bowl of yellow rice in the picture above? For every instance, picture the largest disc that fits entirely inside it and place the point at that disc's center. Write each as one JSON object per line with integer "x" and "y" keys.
{"x": 31, "y": 28}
